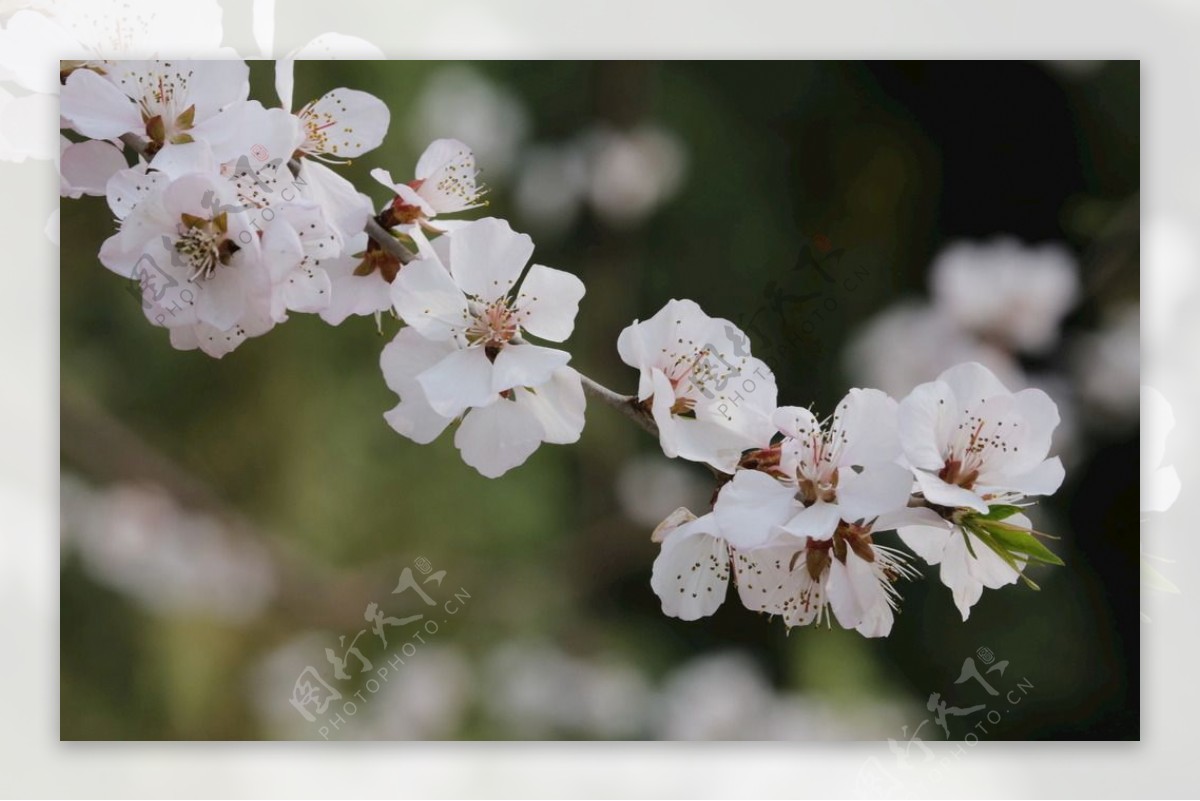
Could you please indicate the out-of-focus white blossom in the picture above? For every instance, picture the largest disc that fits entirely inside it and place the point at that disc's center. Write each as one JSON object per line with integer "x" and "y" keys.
{"x": 533, "y": 691}
{"x": 460, "y": 103}
{"x": 138, "y": 540}
{"x": 1003, "y": 291}
{"x": 912, "y": 342}
{"x": 551, "y": 185}
{"x": 632, "y": 173}
{"x": 1106, "y": 365}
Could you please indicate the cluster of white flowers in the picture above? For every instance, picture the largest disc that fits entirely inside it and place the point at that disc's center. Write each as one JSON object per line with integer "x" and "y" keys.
{"x": 231, "y": 219}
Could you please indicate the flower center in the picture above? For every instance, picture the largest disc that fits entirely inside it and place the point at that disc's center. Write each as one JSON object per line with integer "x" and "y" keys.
{"x": 202, "y": 244}
{"x": 973, "y": 441}
{"x": 161, "y": 96}
{"x": 493, "y": 326}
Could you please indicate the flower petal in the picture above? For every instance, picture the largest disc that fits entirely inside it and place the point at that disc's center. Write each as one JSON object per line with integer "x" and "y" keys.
{"x": 86, "y": 167}
{"x": 881, "y": 487}
{"x": 751, "y": 507}
{"x": 97, "y": 108}
{"x": 548, "y": 301}
{"x": 427, "y": 298}
{"x": 691, "y": 574}
{"x": 344, "y": 123}
{"x": 487, "y": 257}
{"x": 461, "y": 380}
{"x": 558, "y": 405}
{"x": 403, "y": 359}
{"x": 447, "y": 172}
{"x": 498, "y": 437}
{"x": 817, "y": 521}
{"x": 525, "y": 366}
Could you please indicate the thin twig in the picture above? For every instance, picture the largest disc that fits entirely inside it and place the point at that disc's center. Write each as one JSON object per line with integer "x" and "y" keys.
{"x": 625, "y": 404}
{"x": 388, "y": 242}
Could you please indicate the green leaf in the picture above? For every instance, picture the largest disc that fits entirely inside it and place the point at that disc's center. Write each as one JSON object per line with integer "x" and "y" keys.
{"x": 987, "y": 539}
{"x": 1020, "y": 540}
{"x": 1000, "y": 512}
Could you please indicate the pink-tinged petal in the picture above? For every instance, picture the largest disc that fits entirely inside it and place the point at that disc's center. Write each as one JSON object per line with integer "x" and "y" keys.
{"x": 215, "y": 84}
{"x": 97, "y": 108}
{"x": 818, "y": 521}
{"x": 548, "y": 301}
{"x": 879, "y": 488}
{"x": 86, "y": 167}
{"x": 795, "y": 421}
{"x": 176, "y": 161}
{"x": 867, "y": 418}
{"x": 927, "y": 419}
{"x": 221, "y": 299}
{"x": 307, "y": 290}
{"x": 1045, "y": 479}
{"x": 776, "y": 580}
{"x": 854, "y": 590}
{"x": 487, "y": 257}
{"x": 909, "y": 516}
{"x": 249, "y": 136}
{"x": 1039, "y": 417}
{"x": 126, "y": 188}
{"x": 447, "y": 173}
{"x": 927, "y": 541}
{"x": 717, "y": 444}
{"x": 945, "y": 494}
{"x": 877, "y": 621}
{"x": 751, "y": 507}
{"x": 427, "y": 298}
{"x": 662, "y": 398}
{"x": 384, "y": 177}
{"x": 558, "y": 405}
{"x": 956, "y": 574}
{"x": 525, "y": 366}
{"x": 344, "y": 123}
{"x": 345, "y": 207}
{"x": 459, "y": 381}
{"x": 971, "y": 383}
{"x": 691, "y": 573}
{"x": 282, "y": 250}
{"x": 498, "y": 437}
{"x": 439, "y": 153}
{"x": 403, "y": 359}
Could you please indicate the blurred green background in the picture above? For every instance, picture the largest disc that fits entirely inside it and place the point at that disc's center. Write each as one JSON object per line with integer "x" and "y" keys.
{"x": 227, "y": 521}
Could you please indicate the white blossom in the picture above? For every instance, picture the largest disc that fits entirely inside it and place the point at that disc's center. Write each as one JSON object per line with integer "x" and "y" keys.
{"x": 340, "y": 125}
{"x": 1002, "y": 290}
{"x": 709, "y": 397}
{"x": 444, "y": 184}
{"x": 972, "y": 443}
{"x": 466, "y": 351}
{"x": 977, "y": 450}
{"x": 170, "y": 102}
